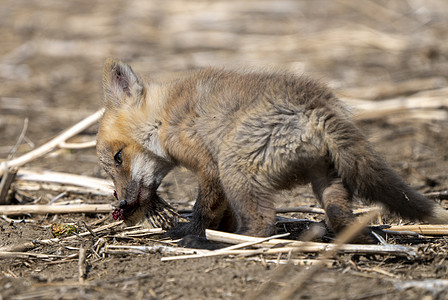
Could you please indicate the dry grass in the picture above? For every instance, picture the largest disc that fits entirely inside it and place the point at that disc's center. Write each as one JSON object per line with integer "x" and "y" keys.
{"x": 386, "y": 59}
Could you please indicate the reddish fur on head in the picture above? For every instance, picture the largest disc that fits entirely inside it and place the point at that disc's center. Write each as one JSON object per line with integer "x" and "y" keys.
{"x": 135, "y": 171}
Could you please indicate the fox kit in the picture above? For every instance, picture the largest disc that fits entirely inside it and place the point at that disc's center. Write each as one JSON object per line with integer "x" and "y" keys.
{"x": 247, "y": 136}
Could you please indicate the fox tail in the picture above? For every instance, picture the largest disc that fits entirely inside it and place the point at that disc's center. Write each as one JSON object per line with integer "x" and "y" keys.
{"x": 371, "y": 178}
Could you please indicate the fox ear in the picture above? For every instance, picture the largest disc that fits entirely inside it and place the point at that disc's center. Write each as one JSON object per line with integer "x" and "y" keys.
{"x": 121, "y": 85}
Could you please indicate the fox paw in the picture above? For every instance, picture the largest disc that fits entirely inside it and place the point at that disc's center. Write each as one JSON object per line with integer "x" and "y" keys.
{"x": 183, "y": 229}
{"x": 199, "y": 242}
{"x": 180, "y": 230}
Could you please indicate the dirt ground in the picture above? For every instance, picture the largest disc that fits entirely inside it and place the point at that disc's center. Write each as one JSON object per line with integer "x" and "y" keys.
{"x": 51, "y": 58}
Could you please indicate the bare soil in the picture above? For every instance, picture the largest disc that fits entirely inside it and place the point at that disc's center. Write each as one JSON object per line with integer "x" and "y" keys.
{"x": 51, "y": 57}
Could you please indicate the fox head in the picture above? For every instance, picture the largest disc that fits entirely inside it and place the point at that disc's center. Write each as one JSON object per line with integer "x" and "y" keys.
{"x": 127, "y": 144}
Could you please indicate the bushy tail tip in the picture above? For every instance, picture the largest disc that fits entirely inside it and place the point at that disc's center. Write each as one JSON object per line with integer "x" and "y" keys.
{"x": 439, "y": 216}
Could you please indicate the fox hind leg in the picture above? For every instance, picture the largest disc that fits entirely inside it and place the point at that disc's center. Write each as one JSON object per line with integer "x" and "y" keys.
{"x": 336, "y": 199}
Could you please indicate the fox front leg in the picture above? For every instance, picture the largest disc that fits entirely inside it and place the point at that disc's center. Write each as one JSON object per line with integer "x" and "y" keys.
{"x": 211, "y": 210}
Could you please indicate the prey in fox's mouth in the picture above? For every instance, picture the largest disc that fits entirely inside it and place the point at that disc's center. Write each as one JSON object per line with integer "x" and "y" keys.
{"x": 147, "y": 204}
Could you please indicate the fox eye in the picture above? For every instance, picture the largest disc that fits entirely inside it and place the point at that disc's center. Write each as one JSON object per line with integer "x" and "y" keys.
{"x": 118, "y": 159}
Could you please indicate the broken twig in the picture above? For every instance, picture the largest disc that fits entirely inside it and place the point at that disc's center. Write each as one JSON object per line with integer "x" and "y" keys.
{"x": 100, "y": 186}
{"x": 82, "y": 267}
{"x": 130, "y": 249}
{"x": 228, "y": 250}
{"x": 313, "y": 247}
{"x": 49, "y": 146}
{"x": 422, "y": 229}
{"x": 16, "y": 210}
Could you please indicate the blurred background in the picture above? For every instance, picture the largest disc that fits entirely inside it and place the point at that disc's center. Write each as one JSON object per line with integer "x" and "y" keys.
{"x": 375, "y": 54}
{"x": 52, "y": 53}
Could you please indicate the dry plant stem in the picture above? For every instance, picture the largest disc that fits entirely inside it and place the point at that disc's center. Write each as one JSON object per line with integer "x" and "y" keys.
{"x": 102, "y": 186}
{"x": 379, "y": 271}
{"x": 9, "y": 220}
{"x": 96, "y": 230}
{"x": 316, "y": 210}
{"x": 24, "y": 186}
{"x": 145, "y": 231}
{"x": 299, "y": 280}
{"x": 82, "y": 267}
{"x": 388, "y": 90}
{"x": 5, "y": 183}
{"x": 366, "y": 109}
{"x": 311, "y": 247}
{"x": 84, "y": 145}
{"x": 16, "y": 210}
{"x": 295, "y": 261}
{"x": 232, "y": 238}
{"x": 46, "y": 148}
{"x": 131, "y": 249}
{"x": 304, "y": 209}
{"x": 19, "y": 140}
{"x": 8, "y": 254}
{"x": 247, "y": 244}
{"x": 229, "y": 250}
{"x": 8, "y": 177}
{"x": 422, "y": 229}
{"x": 443, "y": 195}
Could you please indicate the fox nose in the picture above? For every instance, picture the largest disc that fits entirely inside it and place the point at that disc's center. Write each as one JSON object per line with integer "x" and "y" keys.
{"x": 123, "y": 204}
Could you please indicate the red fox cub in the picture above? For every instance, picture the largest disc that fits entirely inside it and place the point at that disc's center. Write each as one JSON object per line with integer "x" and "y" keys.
{"x": 247, "y": 136}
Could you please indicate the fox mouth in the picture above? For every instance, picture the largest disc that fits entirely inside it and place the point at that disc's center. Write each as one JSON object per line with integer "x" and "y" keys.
{"x": 124, "y": 209}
